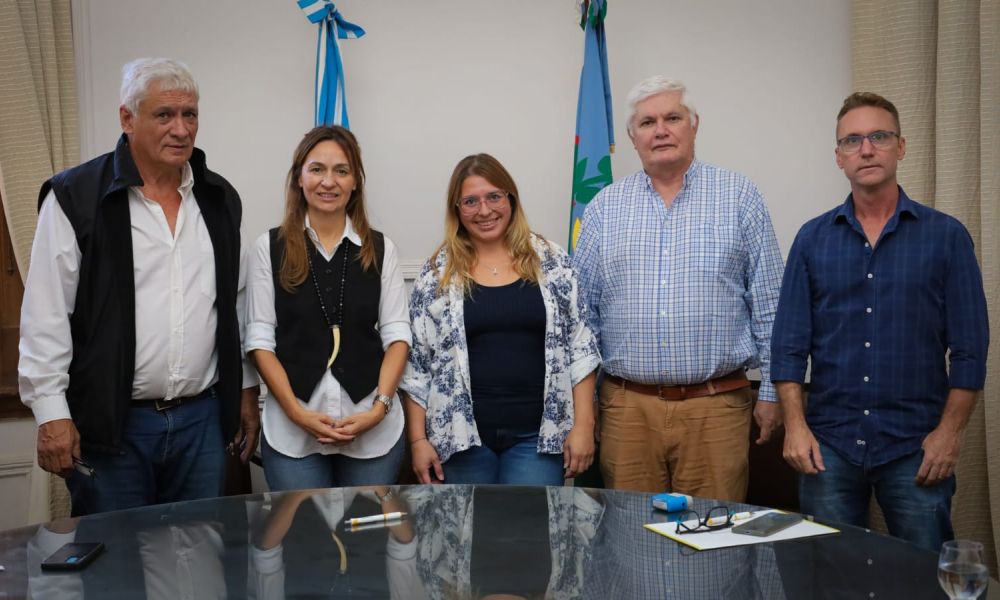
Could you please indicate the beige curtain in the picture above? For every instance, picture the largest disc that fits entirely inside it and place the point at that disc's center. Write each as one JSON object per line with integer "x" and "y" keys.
{"x": 939, "y": 62}
{"x": 39, "y": 132}
{"x": 39, "y": 129}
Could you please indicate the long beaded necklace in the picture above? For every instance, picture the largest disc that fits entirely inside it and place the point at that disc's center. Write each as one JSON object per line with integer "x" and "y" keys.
{"x": 334, "y": 327}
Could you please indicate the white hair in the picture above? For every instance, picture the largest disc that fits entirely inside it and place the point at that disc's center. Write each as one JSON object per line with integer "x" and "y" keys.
{"x": 655, "y": 85}
{"x": 140, "y": 74}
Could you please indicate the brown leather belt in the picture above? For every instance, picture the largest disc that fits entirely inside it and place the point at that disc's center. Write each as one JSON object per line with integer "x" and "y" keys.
{"x": 727, "y": 383}
{"x": 162, "y": 404}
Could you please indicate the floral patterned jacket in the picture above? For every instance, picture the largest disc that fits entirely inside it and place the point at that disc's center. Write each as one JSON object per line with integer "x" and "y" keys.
{"x": 437, "y": 372}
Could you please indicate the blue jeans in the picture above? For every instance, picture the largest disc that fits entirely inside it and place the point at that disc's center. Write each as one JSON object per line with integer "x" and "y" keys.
{"x": 520, "y": 464}
{"x": 169, "y": 456}
{"x": 329, "y": 470}
{"x": 918, "y": 514}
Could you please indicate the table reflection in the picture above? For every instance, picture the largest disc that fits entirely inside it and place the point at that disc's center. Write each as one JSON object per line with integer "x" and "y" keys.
{"x": 631, "y": 562}
{"x": 491, "y": 541}
{"x": 174, "y": 551}
{"x": 301, "y": 546}
{"x": 457, "y": 542}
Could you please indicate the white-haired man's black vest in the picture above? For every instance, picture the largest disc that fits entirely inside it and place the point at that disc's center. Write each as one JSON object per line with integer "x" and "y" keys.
{"x": 94, "y": 197}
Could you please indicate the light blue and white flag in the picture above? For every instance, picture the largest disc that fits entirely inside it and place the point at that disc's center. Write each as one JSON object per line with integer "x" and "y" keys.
{"x": 331, "y": 103}
{"x": 595, "y": 135}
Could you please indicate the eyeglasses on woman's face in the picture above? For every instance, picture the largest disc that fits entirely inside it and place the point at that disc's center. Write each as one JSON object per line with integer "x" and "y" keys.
{"x": 469, "y": 205}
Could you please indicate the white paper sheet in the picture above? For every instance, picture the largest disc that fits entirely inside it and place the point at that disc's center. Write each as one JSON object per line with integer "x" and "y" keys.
{"x": 725, "y": 538}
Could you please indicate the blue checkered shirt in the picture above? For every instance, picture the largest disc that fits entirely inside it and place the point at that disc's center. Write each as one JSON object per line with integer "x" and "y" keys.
{"x": 878, "y": 324}
{"x": 684, "y": 294}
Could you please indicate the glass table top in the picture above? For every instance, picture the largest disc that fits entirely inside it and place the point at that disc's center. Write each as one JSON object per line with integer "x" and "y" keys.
{"x": 455, "y": 542}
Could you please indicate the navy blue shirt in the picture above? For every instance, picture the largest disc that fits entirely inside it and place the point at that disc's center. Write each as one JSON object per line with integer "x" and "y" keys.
{"x": 878, "y": 324}
{"x": 505, "y": 332}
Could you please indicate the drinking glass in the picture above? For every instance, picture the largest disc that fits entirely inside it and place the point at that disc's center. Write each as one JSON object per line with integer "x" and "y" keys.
{"x": 961, "y": 571}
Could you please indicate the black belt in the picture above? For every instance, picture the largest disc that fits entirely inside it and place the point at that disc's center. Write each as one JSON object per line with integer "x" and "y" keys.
{"x": 162, "y": 404}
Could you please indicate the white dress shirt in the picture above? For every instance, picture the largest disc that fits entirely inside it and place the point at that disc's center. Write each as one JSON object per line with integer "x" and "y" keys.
{"x": 328, "y": 397}
{"x": 175, "y": 315}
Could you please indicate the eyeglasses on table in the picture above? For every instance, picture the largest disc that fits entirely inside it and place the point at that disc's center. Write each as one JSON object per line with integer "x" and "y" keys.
{"x": 717, "y": 517}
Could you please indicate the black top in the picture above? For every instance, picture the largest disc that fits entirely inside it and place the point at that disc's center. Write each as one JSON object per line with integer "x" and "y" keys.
{"x": 505, "y": 332}
{"x": 303, "y": 341}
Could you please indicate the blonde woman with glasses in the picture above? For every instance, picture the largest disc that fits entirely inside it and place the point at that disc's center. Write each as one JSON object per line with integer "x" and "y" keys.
{"x": 501, "y": 375}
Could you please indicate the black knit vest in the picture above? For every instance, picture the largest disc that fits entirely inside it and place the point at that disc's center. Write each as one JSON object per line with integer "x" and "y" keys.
{"x": 303, "y": 342}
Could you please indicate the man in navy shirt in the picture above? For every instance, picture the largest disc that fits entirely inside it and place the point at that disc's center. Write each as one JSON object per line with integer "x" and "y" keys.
{"x": 884, "y": 295}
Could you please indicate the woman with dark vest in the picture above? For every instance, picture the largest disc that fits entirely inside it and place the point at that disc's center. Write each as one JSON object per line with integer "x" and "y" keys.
{"x": 328, "y": 327}
{"x": 501, "y": 377}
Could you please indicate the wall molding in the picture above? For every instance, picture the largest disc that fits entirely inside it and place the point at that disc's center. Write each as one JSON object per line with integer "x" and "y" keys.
{"x": 411, "y": 269}
{"x": 16, "y": 479}
{"x": 84, "y": 77}
{"x": 14, "y": 466}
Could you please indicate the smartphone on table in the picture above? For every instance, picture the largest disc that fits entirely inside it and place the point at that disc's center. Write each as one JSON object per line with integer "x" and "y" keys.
{"x": 768, "y": 524}
{"x": 72, "y": 556}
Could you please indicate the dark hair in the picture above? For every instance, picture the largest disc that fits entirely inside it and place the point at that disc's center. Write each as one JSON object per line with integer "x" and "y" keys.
{"x": 294, "y": 266}
{"x": 859, "y": 99}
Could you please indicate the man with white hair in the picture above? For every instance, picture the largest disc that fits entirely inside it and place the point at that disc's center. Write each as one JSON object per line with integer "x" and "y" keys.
{"x": 680, "y": 269}
{"x": 131, "y": 330}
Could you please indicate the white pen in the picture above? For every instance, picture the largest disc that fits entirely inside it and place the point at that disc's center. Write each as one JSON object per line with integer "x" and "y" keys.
{"x": 373, "y": 526}
{"x": 740, "y": 516}
{"x": 393, "y": 516}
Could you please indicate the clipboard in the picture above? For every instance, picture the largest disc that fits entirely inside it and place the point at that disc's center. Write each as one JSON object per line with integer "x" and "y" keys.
{"x": 725, "y": 538}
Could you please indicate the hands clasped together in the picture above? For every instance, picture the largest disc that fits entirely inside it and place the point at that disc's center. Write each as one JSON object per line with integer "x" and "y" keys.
{"x": 337, "y": 432}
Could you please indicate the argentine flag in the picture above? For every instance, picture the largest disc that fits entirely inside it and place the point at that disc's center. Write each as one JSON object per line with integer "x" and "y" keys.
{"x": 595, "y": 137}
{"x": 331, "y": 104}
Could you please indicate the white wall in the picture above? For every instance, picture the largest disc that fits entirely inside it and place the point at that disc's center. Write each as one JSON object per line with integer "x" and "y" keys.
{"x": 436, "y": 80}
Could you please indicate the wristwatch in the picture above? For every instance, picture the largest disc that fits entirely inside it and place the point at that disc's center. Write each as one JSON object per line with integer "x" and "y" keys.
{"x": 385, "y": 400}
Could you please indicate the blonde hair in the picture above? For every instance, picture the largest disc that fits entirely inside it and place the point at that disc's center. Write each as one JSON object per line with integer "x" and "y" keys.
{"x": 295, "y": 265}
{"x": 460, "y": 252}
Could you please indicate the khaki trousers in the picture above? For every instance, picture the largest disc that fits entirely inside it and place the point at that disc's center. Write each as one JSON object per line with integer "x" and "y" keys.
{"x": 697, "y": 446}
